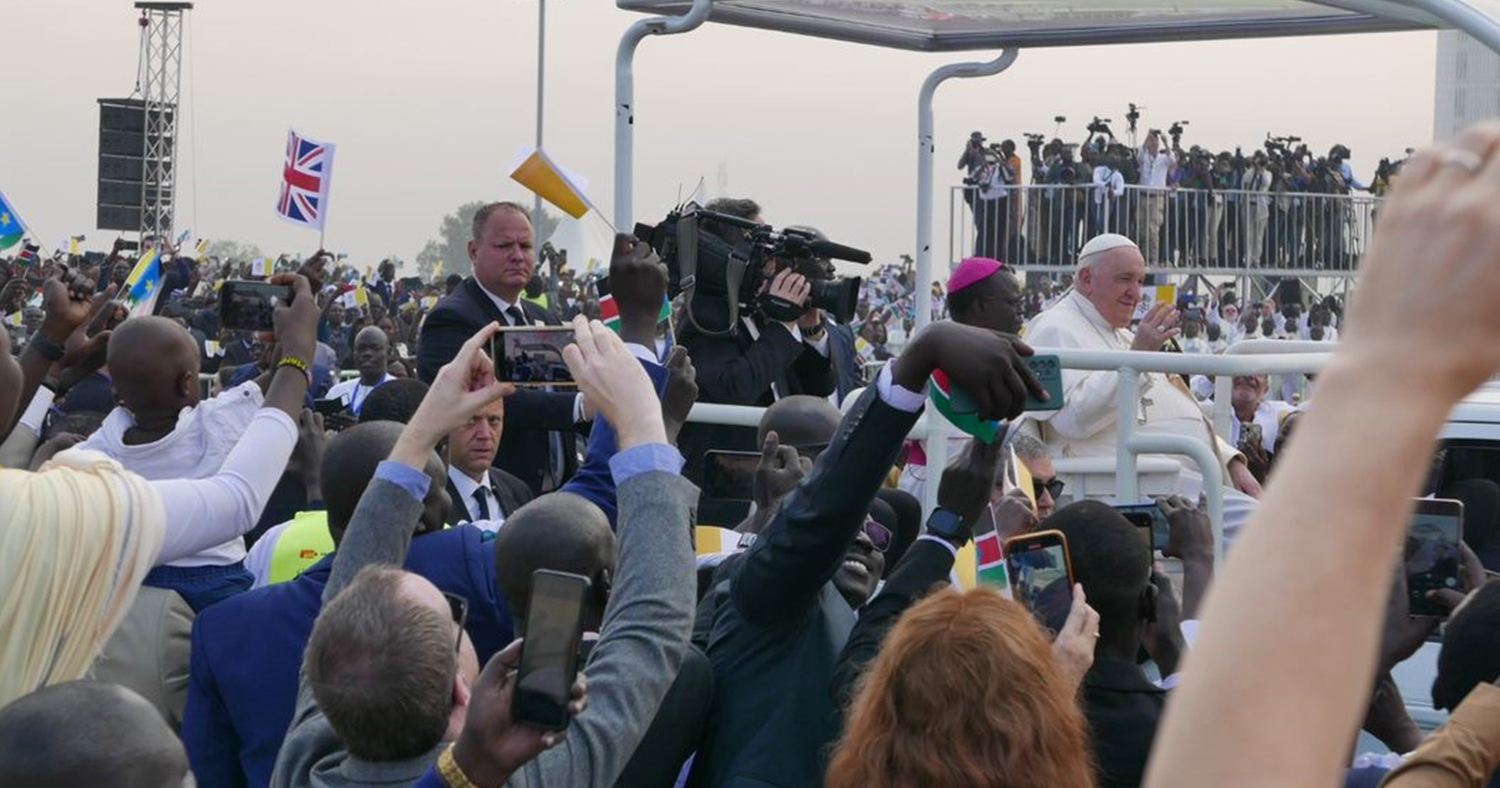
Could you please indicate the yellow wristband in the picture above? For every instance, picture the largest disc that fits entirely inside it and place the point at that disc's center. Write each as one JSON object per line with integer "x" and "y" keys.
{"x": 297, "y": 364}
{"x": 449, "y": 771}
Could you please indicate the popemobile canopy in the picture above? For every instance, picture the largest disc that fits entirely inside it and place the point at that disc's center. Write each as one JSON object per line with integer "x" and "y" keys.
{"x": 955, "y": 25}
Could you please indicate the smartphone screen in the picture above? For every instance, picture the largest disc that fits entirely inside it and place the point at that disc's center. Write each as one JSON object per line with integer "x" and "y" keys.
{"x": 730, "y": 475}
{"x": 1041, "y": 577}
{"x": 532, "y": 356}
{"x": 549, "y": 654}
{"x": 1152, "y": 517}
{"x": 249, "y": 306}
{"x": 1432, "y": 553}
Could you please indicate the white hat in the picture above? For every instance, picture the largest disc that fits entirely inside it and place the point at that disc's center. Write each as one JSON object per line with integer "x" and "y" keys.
{"x": 1100, "y": 244}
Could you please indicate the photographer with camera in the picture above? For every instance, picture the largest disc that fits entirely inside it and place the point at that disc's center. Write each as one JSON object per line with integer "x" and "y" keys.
{"x": 987, "y": 195}
{"x": 1156, "y": 164}
{"x": 775, "y": 346}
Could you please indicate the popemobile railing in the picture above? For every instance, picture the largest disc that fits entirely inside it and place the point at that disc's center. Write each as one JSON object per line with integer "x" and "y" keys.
{"x": 1247, "y": 358}
{"x": 1223, "y": 231}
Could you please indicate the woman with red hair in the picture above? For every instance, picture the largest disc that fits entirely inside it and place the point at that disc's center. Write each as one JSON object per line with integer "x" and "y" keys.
{"x": 966, "y": 691}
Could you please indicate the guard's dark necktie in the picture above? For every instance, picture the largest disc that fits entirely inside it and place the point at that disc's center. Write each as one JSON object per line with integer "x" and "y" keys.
{"x": 516, "y": 318}
{"x": 482, "y": 496}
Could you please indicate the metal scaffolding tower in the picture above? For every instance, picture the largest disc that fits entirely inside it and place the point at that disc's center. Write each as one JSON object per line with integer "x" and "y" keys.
{"x": 159, "y": 80}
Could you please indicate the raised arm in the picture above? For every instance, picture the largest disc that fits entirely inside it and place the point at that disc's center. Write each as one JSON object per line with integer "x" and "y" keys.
{"x": 1298, "y": 683}
{"x": 802, "y": 548}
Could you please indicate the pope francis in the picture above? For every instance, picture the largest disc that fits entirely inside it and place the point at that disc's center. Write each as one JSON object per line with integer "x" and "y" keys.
{"x": 1096, "y": 315}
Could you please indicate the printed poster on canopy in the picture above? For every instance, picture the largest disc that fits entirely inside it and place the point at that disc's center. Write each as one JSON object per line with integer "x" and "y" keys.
{"x": 1153, "y": 295}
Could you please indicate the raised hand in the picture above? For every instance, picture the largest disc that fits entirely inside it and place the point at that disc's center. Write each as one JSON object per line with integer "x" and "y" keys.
{"x": 493, "y": 745}
{"x": 612, "y": 379}
{"x": 966, "y": 483}
{"x": 1074, "y": 645}
{"x": 461, "y": 388}
{"x": 638, "y": 283}
{"x": 1158, "y": 326}
{"x": 681, "y": 392}
{"x": 986, "y": 364}
{"x": 779, "y": 472}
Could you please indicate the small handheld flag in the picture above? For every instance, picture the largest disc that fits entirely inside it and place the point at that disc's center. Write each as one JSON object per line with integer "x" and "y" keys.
{"x": 11, "y": 226}
{"x": 542, "y": 175}
{"x": 305, "y": 177}
{"x": 959, "y": 409}
{"x": 28, "y": 255}
{"x": 144, "y": 284}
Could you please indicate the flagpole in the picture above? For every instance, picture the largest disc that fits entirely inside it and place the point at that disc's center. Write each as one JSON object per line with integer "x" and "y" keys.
{"x": 541, "y": 72}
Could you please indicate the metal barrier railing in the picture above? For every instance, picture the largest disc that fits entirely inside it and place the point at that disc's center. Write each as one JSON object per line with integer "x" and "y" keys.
{"x": 1224, "y": 231}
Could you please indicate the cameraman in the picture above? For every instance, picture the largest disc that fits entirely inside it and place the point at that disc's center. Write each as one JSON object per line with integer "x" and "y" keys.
{"x": 757, "y": 361}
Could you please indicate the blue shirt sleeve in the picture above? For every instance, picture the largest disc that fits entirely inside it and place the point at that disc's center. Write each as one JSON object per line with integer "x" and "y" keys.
{"x": 595, "y": 479}
{"x": 430, "y": 780}
{"x": 645, "y": 458}
{"x": 413, "y": 481}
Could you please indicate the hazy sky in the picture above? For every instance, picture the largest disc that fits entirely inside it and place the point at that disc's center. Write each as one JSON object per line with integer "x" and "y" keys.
{"x": 429, "y": 101}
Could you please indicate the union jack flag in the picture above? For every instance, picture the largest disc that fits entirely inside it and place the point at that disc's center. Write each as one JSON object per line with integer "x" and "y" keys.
{"x": 305, "y": 178}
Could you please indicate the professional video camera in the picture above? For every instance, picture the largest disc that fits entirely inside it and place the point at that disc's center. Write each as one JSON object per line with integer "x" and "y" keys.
{"x": 1175, "y": 132}
{"x": 1035, "y": 142}
{"x": 1101, "y": 126}
{"x": 699, "y": 260}
{"x": 1133, "y": 116}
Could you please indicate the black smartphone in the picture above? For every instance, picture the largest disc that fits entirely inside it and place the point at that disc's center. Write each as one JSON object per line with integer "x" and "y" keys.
{"x": 1433, "y": 553}
{"x": 128, "y": 246}
{"x": 1048, "y": 370}
{"x": 1150, "y": 516}
{"x": 1041, "y": 576}
{"x": 549, "y": 654}
{"x": 531, "y": 356}
{"x": 730, "y": 475}
{"x": 329, "y": 407}
{"x": 249, "y": 306}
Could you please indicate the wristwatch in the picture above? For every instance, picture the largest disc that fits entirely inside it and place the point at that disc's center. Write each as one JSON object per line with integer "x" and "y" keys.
{"x": 949, "y": 525}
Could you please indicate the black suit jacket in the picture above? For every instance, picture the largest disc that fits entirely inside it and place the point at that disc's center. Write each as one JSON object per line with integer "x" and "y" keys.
{"x": 778, "y": 635}
{"x": 1123, "y": 711}
{"x": 530, "y": 415}
{"x": 511, "y": 493}
{"x": 924, "y": 567}
{"x": 675, "y": 730}
{"x": 735, "y": 369}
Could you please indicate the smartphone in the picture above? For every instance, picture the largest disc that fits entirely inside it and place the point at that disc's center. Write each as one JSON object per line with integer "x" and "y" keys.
{"x": 531, "y": 356}
{"x": 1251, "y": 433}
{"x": 129, "y": 246}
{"x": 1041, "y": 576}
{"x": 1149, "y": 516}
{"x": 1048, "y": 370}
{"x": 329, "y": 407}
{"x": 730, "y": 475}
{"x": 248, "y": 306}
{"x": 549, "y": 654}
{"x": 1433, "y": 553}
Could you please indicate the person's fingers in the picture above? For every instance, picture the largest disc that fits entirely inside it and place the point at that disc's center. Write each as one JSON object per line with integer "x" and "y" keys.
{"x": 500, "y": 664}
{"x": 466, "y": 354}
{"x": 1448, "y": 598}
{"x": 1010, "y": 389}
{"x": 678, "y": 358}
{"x": 318, "y": 422}
{"x": 786, "y": 458}
{"x": 1077, "y": 612}
{"x": 768, "y": 449}
{"x": 805, "y": 464}
{"x": 1171, "y": 333}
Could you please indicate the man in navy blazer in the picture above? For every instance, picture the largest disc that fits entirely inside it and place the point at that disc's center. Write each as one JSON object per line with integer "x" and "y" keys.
{"x": 247, "y": 654}
{"x": 539, "y": 446}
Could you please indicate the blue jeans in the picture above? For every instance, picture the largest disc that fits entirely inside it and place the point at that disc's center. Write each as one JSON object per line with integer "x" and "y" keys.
{"x": 201, "y": 586}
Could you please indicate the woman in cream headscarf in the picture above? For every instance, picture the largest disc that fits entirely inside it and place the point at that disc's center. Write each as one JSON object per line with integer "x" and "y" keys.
{"x": 78, "y": 536}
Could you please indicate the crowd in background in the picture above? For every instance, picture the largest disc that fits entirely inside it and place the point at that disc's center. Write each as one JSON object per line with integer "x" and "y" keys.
{"x": 322, "y": 569}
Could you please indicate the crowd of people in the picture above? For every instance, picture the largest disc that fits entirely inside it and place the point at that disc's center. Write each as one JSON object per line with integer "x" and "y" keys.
{"x": 1279, "y": 206}
{"x": 336, "y": 565}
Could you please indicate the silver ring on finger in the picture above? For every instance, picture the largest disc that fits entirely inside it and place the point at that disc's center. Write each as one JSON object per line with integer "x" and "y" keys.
{"x": 1466, "y": 160}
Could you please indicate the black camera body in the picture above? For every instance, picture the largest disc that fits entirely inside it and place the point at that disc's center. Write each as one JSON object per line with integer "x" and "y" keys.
{"x": 1100, "y": 126}
{"x": 698, "y": 261}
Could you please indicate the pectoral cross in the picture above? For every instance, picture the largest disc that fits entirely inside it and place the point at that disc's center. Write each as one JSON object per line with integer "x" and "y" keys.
{"x": 1146, "y": 402}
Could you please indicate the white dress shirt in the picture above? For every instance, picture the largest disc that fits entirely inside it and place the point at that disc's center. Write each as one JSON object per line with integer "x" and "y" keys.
{"x": 1154, "y": 169}
{"x": 353, "y": 392}
{"x": 466, "y": 487}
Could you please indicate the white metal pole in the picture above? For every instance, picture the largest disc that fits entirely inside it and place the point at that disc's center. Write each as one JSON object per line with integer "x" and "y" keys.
{"x": 924, "y": 170}
{"x": 541, "y": 90}
{"x": 625, "y": 99}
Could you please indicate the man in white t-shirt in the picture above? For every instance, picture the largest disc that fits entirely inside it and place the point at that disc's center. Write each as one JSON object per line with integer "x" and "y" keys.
{"x": 371, "y": 355}
{"x": 162, "y": 431}
{"x": 1155, "y": 164}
